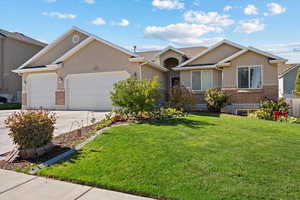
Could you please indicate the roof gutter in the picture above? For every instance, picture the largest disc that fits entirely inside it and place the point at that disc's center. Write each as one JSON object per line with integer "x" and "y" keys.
{"x": 50, "y": 67}
{"x": 282, "y": 61}
{"x": 194, "y": 68}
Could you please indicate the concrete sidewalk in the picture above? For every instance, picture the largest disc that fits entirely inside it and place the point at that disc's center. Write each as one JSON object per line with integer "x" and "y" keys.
{"x": 15, "y": 186}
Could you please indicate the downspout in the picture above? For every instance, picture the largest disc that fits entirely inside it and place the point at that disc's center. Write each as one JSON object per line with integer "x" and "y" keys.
{"x": 2, "y": 64}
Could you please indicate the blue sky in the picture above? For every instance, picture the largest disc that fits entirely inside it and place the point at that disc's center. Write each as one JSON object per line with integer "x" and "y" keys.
{"x": 272, "y": 25}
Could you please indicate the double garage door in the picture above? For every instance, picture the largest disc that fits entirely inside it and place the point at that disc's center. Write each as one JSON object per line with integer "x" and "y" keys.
{"x": 89, "y": 91}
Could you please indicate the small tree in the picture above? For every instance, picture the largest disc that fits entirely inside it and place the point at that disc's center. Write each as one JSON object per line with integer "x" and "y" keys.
{"x": 136, "y": 95}
{"x": 297, "y": 84}
{"x": 182, "y": 98}
{"x": 216, "y": 99}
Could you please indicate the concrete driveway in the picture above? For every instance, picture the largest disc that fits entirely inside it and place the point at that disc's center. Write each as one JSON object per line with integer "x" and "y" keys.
{"x": 66, "y": 121}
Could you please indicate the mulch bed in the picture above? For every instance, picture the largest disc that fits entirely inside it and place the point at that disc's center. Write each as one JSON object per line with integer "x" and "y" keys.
{"x": 62, "y": 143}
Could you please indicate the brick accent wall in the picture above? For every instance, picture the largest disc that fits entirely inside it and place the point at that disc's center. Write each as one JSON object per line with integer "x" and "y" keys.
{"x": 244, "y": 96}
{"x": 24, "y": 99}
{"x": 60, "y": 98}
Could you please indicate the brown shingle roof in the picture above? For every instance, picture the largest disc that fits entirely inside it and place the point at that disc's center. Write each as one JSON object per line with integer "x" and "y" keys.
{"x": 189, "y": 51}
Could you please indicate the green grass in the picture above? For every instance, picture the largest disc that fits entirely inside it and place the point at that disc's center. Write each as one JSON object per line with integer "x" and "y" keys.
{"x": 10, "y": 106}
{"x": 198, "y": 157}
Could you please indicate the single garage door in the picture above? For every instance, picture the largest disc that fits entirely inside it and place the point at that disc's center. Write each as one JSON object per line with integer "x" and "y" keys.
{"x": 91, "y": 91}
{"x": 41, "y": 90}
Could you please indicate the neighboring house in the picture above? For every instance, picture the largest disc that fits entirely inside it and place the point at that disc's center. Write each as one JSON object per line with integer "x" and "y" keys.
{"x": 287, "y": 81}
{"x": 15, "y": 49}
{"x": 77, "y": 72}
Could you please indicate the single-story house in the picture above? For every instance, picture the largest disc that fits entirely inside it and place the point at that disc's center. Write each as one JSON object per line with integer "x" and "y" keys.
{"x": 287, "y": 80}
{"x": 15, "y": 49}
{"x": 77, "y": 72}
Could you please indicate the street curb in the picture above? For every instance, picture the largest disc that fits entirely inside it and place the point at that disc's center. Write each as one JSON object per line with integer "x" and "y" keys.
{"x": 66, "y": 154}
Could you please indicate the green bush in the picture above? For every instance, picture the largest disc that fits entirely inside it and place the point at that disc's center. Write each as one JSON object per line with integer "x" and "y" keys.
{"x": 31, "y": 129}
{"x": 182, "y": 98}
{"x": 136, "y": 95}
{"x": 166, "y": 113}
{"x": 268, "y": 107}
{"x": 297, "y": 84}
{"x": 216, "y": 99}
{"x": 260, "y": 114}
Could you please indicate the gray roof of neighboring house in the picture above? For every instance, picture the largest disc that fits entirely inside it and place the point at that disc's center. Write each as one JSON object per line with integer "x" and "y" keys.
{"x": 290, "y": 68}
{"x": 21, "y": 37}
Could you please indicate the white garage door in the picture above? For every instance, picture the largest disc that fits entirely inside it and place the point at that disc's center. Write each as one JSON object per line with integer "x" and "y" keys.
{"x": 41, "y": 90}
{"x": 92, "y": 91}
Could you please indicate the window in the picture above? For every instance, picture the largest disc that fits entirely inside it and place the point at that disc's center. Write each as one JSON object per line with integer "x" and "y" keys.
{"x": 249, "y": 77}
{"x": 196, "y": 80}
{"x": 202, "y": 80}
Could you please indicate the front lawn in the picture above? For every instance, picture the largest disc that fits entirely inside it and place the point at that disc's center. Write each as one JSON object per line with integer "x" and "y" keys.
{"x": 198, "y": 157}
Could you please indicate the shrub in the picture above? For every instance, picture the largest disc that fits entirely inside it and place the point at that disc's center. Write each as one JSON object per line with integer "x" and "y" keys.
{"x": 182, "y": 98}
{"x": 166, "y": 113}
{"x": 268, "y": 107}
{"x": 31, "y": 129}
{"x": 216, "y": 99}
{"x": 297, "y": 84}
{"x": 136, "y": 95}
{"x": 260, "y": 114}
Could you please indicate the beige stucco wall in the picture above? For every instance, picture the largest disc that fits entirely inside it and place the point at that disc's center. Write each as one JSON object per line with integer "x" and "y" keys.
{"x": 14, "y": 55}
{"x": 58, "y": 50}
{"x": 148, "y": 72}
{"x": 270, "y": 74}
{"x": 216, "y": 55}
{"x": 98, "y": 57}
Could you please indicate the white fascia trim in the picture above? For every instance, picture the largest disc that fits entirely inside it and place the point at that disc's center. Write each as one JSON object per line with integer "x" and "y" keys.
{"x": 71, "y": 52}
{"x": 48, "y": 47}
{"x": 155, "y": 66}
{"x": 194, "y": 67}
{"x": 107, "y": 42}
{"x": 169, "y": 48}
{"x": 137, "y": 60}
{"x": 212, "y": 48}
{"x": 239, "y": 53}
{"x": 290, "y": 69}
{"x": 47, "y": 68}
{"x": 265, "y": 53}
{"x": 232, "y": 56}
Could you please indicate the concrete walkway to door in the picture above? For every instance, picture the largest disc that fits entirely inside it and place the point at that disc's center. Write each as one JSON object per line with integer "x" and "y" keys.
{"x": 15, "y": 186}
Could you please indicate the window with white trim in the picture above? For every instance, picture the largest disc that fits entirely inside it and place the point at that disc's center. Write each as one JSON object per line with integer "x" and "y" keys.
{"x": 202, "y": 80}
{"x": 249, "y": 77}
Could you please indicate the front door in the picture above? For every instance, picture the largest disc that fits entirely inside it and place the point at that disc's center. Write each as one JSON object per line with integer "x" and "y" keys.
{"x": 175, "y": 82}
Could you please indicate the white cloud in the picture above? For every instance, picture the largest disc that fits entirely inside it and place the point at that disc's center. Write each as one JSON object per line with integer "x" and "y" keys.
{"x": 90, "y": 1}
{"x": 212, "y": 18}
{"x": 59, "y": 15}
{"x": 227, "y": 8}
{"x": 99, "y": 21}
{"x": 124, "y": 22}
{"x": 168, "y": 4}
{"x": 196, "y": 3}
{"x": 250, "y": 26}
{"x": 275, "y": 9}
{"x": 180, "y": 33}
{"x": 291, "y": 51}
{"x": 251, "y": 10}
